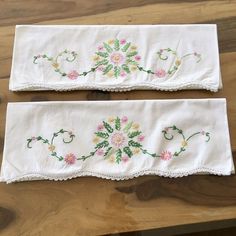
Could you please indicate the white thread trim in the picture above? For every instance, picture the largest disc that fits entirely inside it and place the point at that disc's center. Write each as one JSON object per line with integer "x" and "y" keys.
{"x": 115, "y": 88}
{"x": 56, "y": 177}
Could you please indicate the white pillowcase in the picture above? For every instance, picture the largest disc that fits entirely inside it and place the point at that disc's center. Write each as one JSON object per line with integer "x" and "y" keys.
{"x": 116, "y": 140}
{"x": 116, "y": 57}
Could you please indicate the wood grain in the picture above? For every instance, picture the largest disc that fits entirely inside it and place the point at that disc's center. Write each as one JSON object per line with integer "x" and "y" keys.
{"x": 92, "y": 206}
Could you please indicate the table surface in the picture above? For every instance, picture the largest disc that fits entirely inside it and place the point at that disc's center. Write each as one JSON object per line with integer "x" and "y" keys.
{"x": 88, "y": 206}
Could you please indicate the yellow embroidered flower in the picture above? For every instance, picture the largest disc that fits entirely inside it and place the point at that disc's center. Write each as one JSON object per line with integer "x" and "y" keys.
{"x": 55, "y": 64}
{"x": 112, "y": 159}
{"x": 111, "y": 41}
{"x": 136, "y": 151}
{"x": 96, "y": 58}
{"x": 51, "y": 148}
{"x": 184, "y": 143}
{"x": 133, "y": 47}
{"x": 96, "y": 139}
{"x": 133, "y": 68}
{"x": 110, "y": 74}
{"x": 111, "y": 119}
{"x": 135, "y": 126}
{"x": 177, "y": 62}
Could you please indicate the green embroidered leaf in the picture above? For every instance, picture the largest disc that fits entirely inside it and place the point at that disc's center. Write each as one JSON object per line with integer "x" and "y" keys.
{"x": 125, "y": 48}
{"x": 117, "y": 45}
{"x": 102, "y": 144}
{"x": 116, "y": 71}
{"x": 107, "y": 47}
{"x": 39, "y": 138}
{"x": 102, "y": 62}
{"x": 125, "y": 68}
{"x": 108, "y": 152}
{"x": 102, "y": 54}
{"x": 129, "y": 61}
{"x": 118, "y": 156}
{"x": 45, "y": 141}
{"x": 107, "y": 69}
{"x": 134, "y": 134}
{"x": 102, "y": 134}
{"x": 134, "y": 144}
{"x": 117, "y": 123}
{"x": 127, "y": 127}
{"x": 108, "y": 127}
{"x": 53, "y": 154}
{"x": 128, "y": 151}
{"x": 131, "y": 54}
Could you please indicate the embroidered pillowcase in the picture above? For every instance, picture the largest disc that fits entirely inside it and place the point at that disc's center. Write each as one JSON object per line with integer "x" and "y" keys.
{"x": 172, "y": 138}
{"x": 116, "y": 58}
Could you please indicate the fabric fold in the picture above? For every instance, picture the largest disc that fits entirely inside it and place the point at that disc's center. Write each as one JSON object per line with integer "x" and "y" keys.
{"x": 116, "y": 140}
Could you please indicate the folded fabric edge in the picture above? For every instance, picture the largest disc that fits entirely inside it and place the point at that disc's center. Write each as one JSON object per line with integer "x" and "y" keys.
{"x": 64, "y": 87}
{"x": 38, "y": 176}
{"x": 120, "y": 25}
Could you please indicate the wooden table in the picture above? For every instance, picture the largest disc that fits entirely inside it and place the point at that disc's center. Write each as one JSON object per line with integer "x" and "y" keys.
{"x": 88, "y": 206}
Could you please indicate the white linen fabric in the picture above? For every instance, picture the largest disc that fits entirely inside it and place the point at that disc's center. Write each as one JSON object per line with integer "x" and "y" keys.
{"x": 116, "y": 140}
{"x": 116, "y": 57}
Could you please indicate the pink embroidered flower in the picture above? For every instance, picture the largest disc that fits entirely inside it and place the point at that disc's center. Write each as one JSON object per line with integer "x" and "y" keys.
{"x": 137, "y": 58}
{"x": 100, "y": 48}
{"x": 33, "y": 138}
{"x": 122, "y": 41}
{"x": 160, "y": 73}
{"x": 203, "y": 132}
{"x": 141, "y": 138}
{"x": 122, "y": 74}
{"x": 100, "y": 152}
{"x": 70, "y": 158}
{"x": 117, "y": 58}
{"x": 195, "y": 54}
{"x": 38, "y": 56}
{"x": 73, "y": 75}
{"x": 117, "y": 139}
{"x": 124, "y": 119}
{"x": 166, "y": 129}
{"x": 100, "y": 68}
{"x": 125, "y": 158}
{"x": 161, "y": 51}
{"x": 100, "y": 127}
{"x": 166, "y": 155}
{"x": 70, "y": 133}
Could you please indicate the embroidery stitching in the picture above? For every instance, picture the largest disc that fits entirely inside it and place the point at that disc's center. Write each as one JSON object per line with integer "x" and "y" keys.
{"x": 118, "y": 140}
{"x": 69, "y": 158}
{"x": 118, "y": 58}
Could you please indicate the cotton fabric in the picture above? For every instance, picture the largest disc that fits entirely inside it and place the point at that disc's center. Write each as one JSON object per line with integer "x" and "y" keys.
{"x": 115, "y": 57}
{"x": 116, "y": 140}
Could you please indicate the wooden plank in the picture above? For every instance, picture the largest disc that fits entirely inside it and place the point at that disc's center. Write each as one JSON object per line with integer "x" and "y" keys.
{"x": 89, "y": 206}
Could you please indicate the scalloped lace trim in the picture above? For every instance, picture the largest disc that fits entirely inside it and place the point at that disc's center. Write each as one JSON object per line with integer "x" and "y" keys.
{"x": 115, "y": 88}
{"x": 60, "y": 177}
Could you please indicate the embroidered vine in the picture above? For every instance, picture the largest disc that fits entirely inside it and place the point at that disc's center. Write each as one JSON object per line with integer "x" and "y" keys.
{"x": 68, "y": 158}
{"x": 118, "y": 58}
{"x": 118, "y": 140}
